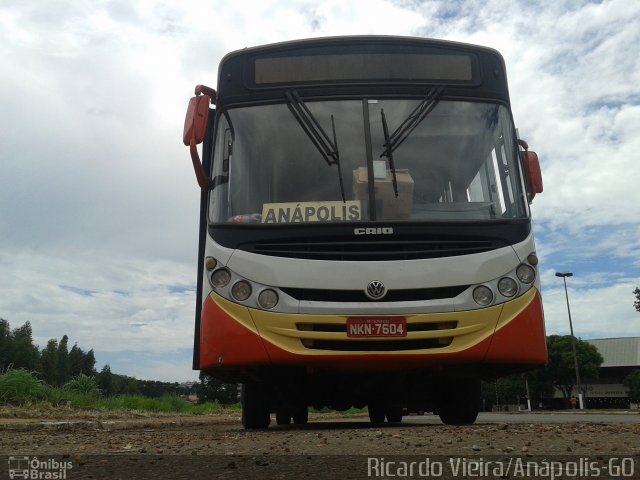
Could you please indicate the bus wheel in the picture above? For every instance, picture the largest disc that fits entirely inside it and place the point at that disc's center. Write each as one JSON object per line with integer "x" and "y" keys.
{"x": 255, "y": 406}
{"x": 393, "y": 413}
{"x": 460, "y": 403}
{"x": 283, "y": 416}
{"x": 300, "y": 415}
{"x": 376, "y": 413}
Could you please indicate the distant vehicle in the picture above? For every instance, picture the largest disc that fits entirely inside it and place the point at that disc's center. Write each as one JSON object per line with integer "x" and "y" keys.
{"x": 365, "y": 232}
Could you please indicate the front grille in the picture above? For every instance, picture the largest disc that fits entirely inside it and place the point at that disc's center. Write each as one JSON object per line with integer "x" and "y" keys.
{"x": 377, "y": 346}
{"x": 408, "y": 295}
{"x": 363, "y": 250}
{"x": 342, "y": 327}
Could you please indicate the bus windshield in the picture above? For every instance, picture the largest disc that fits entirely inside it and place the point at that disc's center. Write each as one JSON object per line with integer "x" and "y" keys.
{"x": 458, "y": 163}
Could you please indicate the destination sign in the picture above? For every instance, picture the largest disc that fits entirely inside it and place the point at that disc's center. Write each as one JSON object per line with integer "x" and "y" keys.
{"x": 304, "y": 212}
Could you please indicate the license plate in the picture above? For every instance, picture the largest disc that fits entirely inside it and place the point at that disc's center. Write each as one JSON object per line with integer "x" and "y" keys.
{"x": 376, "y": 327}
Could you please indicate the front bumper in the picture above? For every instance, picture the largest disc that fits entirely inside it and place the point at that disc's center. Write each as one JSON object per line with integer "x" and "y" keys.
{"x": 235, "y": 336}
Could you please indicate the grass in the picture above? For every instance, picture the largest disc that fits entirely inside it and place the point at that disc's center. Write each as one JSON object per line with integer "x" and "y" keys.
{"x": 18, "y": 386}
{"x": 350, "y": 411}
{"x": 23, "y": 388}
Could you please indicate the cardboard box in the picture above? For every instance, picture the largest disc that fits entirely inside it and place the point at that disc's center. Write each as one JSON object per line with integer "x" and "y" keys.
{"x": 388, "y": 207}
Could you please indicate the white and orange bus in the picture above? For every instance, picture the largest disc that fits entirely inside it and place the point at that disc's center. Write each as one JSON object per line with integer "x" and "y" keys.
{"x": 365, "y": 231}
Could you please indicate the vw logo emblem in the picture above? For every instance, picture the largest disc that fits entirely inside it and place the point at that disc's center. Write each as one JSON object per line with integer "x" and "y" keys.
{"x": 375, "y": 290}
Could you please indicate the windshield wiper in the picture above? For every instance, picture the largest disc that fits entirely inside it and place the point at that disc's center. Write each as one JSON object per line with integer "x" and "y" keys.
{"x": 328, "y": 148}
{"x": 393, "y": 141}
{"x": 389, "y": 152}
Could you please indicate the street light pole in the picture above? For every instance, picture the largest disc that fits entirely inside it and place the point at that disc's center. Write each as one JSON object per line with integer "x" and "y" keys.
{"x": 564, "y": 276}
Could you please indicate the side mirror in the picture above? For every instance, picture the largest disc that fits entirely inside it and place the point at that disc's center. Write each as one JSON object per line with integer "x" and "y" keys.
{"x": 195, "y": 127}
{"x": 195, "y": 123}
{"x": 532, "y": 170}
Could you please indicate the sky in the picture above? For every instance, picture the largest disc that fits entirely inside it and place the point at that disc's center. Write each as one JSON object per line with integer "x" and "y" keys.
{"x": 99, "y": 202}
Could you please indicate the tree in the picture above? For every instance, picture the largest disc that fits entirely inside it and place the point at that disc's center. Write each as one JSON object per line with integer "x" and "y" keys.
{"x": 63, "y": 371}
{"x": 636, "y": 304}
{"x": 561, "y": 366}
{"x": 105, "y": 381}
{"x": 541, "y": 385}
{"x": 633, "y": 382}
{"x": 5, "y": 344}
{"x": 507, "y": 390}
{"x": 22, "y": 352}
{"x": 127, "y": 385}
{"x": 55, "y": 363}
{"x": 49, "y": 362}
{"x": 211, "y": 389}
{"x": 89, "y": 363}
{"x": 156, "y": 389}
{"x": 512, "y": 389}
{"x": 76, "y": 357}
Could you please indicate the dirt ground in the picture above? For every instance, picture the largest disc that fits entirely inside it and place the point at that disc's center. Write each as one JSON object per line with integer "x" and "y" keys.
{"x": 330, "y": 446}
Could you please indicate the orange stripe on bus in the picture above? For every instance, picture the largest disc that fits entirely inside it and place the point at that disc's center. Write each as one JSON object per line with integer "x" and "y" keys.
{"x": 226, "y": 342}
{"x": 523, "y": 339}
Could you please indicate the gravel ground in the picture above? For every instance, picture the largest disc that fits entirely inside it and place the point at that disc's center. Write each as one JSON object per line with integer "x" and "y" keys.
{"x": 329, "y": 446}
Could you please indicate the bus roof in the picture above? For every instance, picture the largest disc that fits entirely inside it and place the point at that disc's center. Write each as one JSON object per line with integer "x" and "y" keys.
{"x": 358, "y": 39}
{"x": 352, "y": 65}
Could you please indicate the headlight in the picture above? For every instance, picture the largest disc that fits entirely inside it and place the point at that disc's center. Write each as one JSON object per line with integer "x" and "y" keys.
{"x": 483, "y": 295}
{"x": 507, "y": 286}
{"x": 525, "y": 273}
{"x": 241, "y": 290}
{"x": 220, "y": 278}
{"x": 268, "y": 299}
{"x": 210, "y": 263}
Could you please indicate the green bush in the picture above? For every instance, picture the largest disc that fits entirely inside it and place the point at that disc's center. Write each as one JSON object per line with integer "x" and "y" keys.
{"x": 82, "y": 385}
{"x": 355, "y": 411}
{"x": 21, "y": 386}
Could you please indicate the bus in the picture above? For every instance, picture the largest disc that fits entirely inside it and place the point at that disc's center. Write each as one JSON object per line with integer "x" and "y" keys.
{"x": 365, "y": 230}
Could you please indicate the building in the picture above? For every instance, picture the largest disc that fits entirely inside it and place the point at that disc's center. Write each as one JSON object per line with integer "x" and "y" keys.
{"x": 620, "y": 357}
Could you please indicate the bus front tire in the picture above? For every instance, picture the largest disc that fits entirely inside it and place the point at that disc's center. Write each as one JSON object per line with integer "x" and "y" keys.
{"x": 460, "y": 403}
{"x": 255, "y": 406}
{"x": 300, "y": 415}
{"x": 283, "y": 416}
{"x": 393, "y": 413}
{"x": 376, "y": 413}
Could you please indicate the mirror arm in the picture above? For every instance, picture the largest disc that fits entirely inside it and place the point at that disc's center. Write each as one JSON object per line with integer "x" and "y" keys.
{"x": 201, "y": 176}
{"x": 204, "y": 90}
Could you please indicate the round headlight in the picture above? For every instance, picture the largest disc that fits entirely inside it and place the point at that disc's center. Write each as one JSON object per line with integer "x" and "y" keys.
{"x": 241, "y": 290}
{"x": 210, "y": 263}
{"x": 507, "y": 286}
{"x": 268, "y": 299}
{"x": 525, "y": 273}
{"x": 483, "y": 295}
{"x": 220, "y": 278}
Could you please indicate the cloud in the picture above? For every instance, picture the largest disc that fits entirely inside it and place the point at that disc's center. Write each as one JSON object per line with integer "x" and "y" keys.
{"x": 123, "y": 304}
{"x": 167, "y": 366}
{"x": 98, "y": 219}
{"x": 601, "y": 306}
